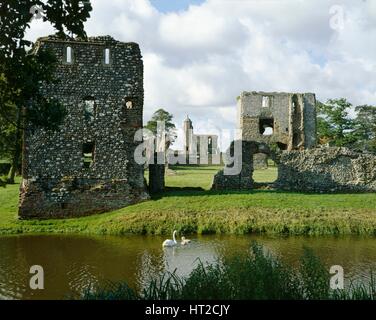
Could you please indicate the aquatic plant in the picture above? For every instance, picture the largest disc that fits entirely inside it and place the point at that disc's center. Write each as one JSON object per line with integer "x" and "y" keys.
{"x": 254, "y": 275}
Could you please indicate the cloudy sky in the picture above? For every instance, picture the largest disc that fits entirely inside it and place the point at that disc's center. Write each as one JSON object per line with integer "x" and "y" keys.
{"x": 199, "y": 55}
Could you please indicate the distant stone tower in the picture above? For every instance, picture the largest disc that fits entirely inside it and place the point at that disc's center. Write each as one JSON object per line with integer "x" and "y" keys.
{"x": 87, "y": 166}
{"x": 199, "y": 147}
{"x": 188, "y": 132}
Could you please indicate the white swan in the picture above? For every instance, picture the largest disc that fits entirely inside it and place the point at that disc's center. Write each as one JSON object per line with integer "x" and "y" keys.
{"x": 184, "y": 241}
{"x": 170, "y": 243}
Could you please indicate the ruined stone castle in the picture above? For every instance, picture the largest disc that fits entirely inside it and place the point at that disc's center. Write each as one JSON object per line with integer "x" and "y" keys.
{"x": 87, "y": 165}
{"x": 282, "y": 126}
{"x": 285, "y": 119}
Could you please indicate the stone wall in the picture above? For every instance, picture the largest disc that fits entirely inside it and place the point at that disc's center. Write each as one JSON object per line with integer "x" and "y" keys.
{"x": 327, "y": 169}
{"x": 87, "y": 165}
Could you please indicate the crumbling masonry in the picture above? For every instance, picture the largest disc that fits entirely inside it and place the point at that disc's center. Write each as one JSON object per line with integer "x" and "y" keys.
{"x": 327, "y": 169}
{"x": 87, "y": 166}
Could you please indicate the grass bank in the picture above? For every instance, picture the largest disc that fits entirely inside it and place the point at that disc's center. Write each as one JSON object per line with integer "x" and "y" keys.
{"x": 204, "y": 211}
{"x": 256, "y": 275}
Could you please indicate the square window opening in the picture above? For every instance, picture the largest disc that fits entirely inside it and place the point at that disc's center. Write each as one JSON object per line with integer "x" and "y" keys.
{"x": 89, "y": 108}
{"x": 266, "y": 101}
{"x": 266, "y": 126}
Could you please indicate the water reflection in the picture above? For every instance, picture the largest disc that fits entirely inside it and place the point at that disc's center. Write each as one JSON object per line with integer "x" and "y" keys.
{"x": 72, "y": 263}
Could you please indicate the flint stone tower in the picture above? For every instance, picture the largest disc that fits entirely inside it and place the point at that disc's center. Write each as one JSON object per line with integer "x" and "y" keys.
{"x": 87, "y": 166}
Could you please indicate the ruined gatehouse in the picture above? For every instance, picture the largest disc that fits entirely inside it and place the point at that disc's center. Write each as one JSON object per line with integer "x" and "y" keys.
{"x": 287, "y": 120}
{"x": 87, "y": 165}
{"x": 282, "y": 126}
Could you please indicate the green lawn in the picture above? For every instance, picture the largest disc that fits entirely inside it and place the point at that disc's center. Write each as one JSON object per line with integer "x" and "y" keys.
{"x": 203, "y": 176}
{"x": 269, "y": 175}
{"x": 205, "y": 211}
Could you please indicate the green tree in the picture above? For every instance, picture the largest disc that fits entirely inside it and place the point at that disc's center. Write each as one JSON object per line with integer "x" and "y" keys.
{"x": 170, "y": 128}
{"x": 164, "y": 116}
{"x": 334, "y": 126}
{"x": 22, "y": 72}
{"x": 366, "y": 128}
{"x": 9, "y": 140}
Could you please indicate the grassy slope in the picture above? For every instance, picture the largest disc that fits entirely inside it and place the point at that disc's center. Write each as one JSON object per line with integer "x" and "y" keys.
{"x": 208, "y": 211}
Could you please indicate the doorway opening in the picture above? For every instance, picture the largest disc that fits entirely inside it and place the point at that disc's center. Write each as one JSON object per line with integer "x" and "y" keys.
{"x": 265, "y": 169}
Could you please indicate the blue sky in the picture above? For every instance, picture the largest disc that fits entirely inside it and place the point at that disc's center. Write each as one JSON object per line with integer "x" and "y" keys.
{"x": 173, "y": 5}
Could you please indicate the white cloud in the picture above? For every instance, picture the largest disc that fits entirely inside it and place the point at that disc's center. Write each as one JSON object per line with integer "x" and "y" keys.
{"x": 198, "y": 60}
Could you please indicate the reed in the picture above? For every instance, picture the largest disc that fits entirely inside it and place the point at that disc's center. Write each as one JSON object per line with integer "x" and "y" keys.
{"x": 256, "y": 275}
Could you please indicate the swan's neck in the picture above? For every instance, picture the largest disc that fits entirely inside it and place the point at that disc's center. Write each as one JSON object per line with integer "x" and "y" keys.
{"x": 173, "y": 236}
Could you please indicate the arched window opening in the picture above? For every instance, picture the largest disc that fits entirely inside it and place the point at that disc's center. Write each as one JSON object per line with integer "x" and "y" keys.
{"x": 266, "y": 101}
{"x": 69, "y": 55}
{"x": 129, "y": 104}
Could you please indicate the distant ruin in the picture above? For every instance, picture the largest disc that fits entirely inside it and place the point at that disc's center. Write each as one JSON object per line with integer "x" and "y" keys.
{"x": 287, "y": 120}
{"x": 282, "y": 126}
{"x": 87, "y": 166}
{"x": 199, "y": 148}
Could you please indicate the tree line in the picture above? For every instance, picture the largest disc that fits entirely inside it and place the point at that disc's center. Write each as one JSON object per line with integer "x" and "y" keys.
{"x": 341, "y": 124}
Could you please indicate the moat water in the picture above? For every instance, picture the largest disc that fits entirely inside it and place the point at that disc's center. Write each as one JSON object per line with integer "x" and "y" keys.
{"x": 73, "y": 263}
